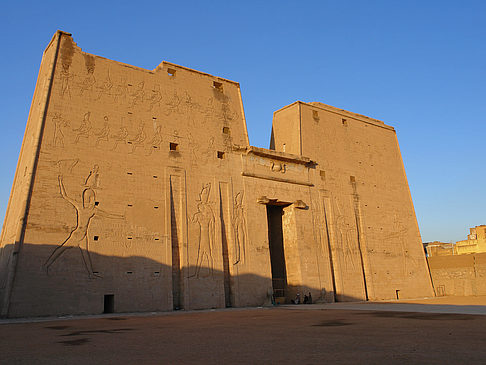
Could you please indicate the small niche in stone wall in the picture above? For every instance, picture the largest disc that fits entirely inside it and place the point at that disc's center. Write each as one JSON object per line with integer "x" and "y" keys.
{"x": 130, "y": 205}
{"x": 315, "y": 115}
{"x": 155, "y": 176}
{"x": 156, "y": 238}
{"x": 156, "y": 207}
{"x": 96, "y": 238}
{"x": 97, "y": 203}
{"x": 221, "y": 155}
{"x": 129, "y": 173}
{"x": 129, "y": 238}
{"x": 345, "y": 122}
{"x": 171, "y": 72}
{"x": 352, "y": 179}
{"x": 173, "y": 146}
{"x": 129, "y": 272}
{"x": 226, "y": 130}
{"x": 322, "y": 174}
{"x": 218, "y": 86}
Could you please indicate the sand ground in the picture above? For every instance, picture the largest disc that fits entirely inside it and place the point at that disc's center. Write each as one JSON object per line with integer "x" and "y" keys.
{"x": 315, "y": 334}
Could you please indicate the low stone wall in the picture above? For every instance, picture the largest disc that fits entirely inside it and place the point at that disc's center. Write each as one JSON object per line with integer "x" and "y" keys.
{"x": 462, "y": 275}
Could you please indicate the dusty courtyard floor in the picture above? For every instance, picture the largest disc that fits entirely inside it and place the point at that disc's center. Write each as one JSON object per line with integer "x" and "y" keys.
{"x": 285, "y": 335}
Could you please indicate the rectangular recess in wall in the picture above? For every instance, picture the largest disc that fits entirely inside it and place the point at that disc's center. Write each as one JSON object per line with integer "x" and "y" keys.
{"x": 218, "y": 86}
{"x": 173, "y": 146}
{"x": 171, "y": 72}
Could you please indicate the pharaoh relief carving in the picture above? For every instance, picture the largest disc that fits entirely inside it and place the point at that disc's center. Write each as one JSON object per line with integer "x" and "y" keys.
{"x": 139, "y": 139}
{"x": 120, "y": 138}
{"x": 345, "y": 239}
{"x": 137, "y": 95}
{"x": 155, "y": 142}
{"x": 239, "y": 227}
{"x": 84, "y": 129}
{"x": 204, "y": 218}
{"x": 86, "y": 210}
{"x": 397, "y": 238}
{"x": 104, "y": 88}
{"x": 120, "y": 90}
{"x": 59, "y": 124}
{"x": 104, "y": 134}
{"x": 154, "y": 98}
{"x": 89, "y": 81}
{"x": 172, "y": 104}
{"x": 66, "y": 58}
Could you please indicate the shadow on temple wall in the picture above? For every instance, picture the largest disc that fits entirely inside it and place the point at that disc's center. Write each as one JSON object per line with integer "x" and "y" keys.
{"x": 126, "y": 284}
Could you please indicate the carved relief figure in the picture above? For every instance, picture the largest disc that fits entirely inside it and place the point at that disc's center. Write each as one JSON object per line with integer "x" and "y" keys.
{"x": 138, "y": 94}
{"x": 93, "y": 178}
{"x": 88, "y": 83}
{"x": 120, "y": 90}
{"x": 105, "y": 87}
{"x": 155, "y": 97}
{"x": 173, "y": 104}
{"x": 121, "y": 137}
{"x": 66, "y": 78}
{"x": 239, "y": 226}
{"x": 398, "y": 235}
{"x": 155, "y": 142}
{"x": 194, "y": 149}
{"x": 104, "y": 133}
{"x": 84, "y": 129}
{"x": 59, "y": 123}
{"x": 204, "y": 217}
{"x": 139, "y": 139}
{"x": 79, "y": 237}
{"x": 345, "y": 241}
{"x": 67, "y": 165}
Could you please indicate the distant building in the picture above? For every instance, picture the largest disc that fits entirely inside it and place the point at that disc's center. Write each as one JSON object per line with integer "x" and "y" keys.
{"x": 437, "y": 248}
{"x": 475, "y": 243}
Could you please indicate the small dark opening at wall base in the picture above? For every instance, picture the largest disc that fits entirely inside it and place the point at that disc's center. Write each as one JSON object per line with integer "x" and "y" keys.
{"x": 109, "y": 303}
{"x": 397, "y": 292}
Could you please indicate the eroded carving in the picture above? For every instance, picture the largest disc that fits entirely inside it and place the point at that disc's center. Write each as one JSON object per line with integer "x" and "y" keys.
{"x": 278, "y": 167}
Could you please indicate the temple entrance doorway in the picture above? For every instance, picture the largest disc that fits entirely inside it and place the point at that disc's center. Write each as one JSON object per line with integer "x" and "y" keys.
{"x": 277, "y": 254}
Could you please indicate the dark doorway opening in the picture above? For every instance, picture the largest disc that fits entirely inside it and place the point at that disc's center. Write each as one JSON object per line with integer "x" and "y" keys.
{"x": 277, "y": 256}
{"x": 109, "y": 303}
{"x": 175, "y": 244}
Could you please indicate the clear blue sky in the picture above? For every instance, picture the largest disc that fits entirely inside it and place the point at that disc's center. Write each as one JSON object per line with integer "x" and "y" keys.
{"x": 417, "y": 65}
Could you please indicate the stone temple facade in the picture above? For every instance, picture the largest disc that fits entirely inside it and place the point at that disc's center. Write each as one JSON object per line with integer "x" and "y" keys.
{"x": 138, "y": 190}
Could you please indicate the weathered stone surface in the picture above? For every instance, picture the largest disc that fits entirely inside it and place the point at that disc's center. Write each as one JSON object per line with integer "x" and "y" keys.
{"x": 138, "y": 190}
